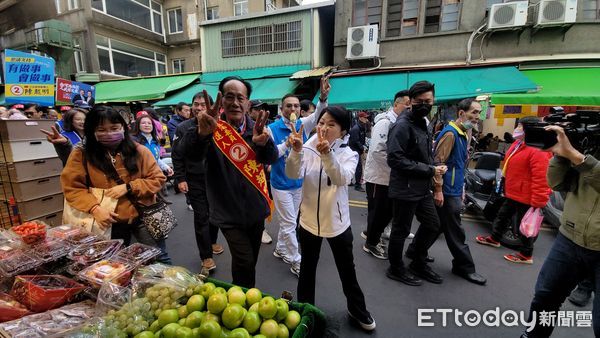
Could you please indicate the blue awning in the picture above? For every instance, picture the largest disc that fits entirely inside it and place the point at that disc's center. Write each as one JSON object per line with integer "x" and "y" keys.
{"x": 377, "y": 90}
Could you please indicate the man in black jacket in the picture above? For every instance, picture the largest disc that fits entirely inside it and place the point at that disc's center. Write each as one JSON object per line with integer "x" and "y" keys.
{"x": 190, "y": 176}
{"x": 410, "y": 158}
{"x": 235, "y": 204}
{"x": 357, "y": 141}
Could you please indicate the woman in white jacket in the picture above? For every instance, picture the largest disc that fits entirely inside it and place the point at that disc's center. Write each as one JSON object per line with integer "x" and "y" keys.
{"x": 327, "y": 165}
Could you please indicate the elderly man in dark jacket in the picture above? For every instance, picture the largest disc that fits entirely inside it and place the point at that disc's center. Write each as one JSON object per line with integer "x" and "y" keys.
{"x": 410, "y": 158}
{"x": 237, "y": 206}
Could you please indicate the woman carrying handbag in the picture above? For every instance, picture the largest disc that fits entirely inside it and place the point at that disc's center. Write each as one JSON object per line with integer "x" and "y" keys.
{"x": 126, "y": 170}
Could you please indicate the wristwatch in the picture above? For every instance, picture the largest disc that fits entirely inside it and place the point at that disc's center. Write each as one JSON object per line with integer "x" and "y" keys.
{"x": 128, "y": 186}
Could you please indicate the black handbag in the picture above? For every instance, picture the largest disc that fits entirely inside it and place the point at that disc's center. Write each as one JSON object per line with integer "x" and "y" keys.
{"x": 158, "y": 218}
{"x": 494, "y": 202}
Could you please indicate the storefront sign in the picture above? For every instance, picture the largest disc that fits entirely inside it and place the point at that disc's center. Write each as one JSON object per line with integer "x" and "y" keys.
{"x": 29, "y": 78}
{"x": 72, "y": 92}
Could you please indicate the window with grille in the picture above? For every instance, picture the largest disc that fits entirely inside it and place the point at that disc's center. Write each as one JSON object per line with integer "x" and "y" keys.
{"x": 402, "y": 19}
{"x": 366, "y": 12}
{"x": 442, "y": 15}
{"x": 262, "y": 39}
{"x": 591, "y": 9}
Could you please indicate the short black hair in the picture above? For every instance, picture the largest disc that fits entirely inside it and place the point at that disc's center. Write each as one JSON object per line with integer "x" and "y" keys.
{"x": 401, "y": 93}
{"x": 200, "y": 95}
{"x": 180, "y": 105}
{"x": 421, "y": 87}
{"x": 465, "y": 104}
{"x": 236, "y": 78}
{"x": 287, "y": 96}
{"x": 529, "y": 120}
{"x": 306, "y": 104}
{"x": 340, "y": 115}
{"x": 34, "y": 105}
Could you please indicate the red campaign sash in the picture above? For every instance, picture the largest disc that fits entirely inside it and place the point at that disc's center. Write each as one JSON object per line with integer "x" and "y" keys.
{"x": 241, "y": 155}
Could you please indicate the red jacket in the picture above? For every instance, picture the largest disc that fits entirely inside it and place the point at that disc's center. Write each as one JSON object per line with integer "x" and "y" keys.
{"x": 525, "y": 177}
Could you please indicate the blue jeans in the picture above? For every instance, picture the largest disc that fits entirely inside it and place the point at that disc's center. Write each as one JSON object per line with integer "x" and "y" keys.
{"x": 566, "y": 265}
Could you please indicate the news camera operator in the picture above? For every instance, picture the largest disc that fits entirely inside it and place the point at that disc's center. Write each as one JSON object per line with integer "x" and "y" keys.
{"x": 575, "y": 254}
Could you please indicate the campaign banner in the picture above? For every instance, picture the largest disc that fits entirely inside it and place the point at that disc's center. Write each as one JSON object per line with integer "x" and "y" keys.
{"x": 74, "y": 93}
{"x": 29, "y": 78}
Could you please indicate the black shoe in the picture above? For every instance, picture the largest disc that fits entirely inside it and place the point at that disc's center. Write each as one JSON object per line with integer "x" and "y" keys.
{"x": 376, "y": 251}
{"x": 406, "y": 277}
{"x": 367, "y": 324}
{"x": 359, "y": 188}
{"x": 411, "y": 255}
{"x": 425, "y": 272}
{"x": 580, "y": 297}
{"x": 473, "y": 277}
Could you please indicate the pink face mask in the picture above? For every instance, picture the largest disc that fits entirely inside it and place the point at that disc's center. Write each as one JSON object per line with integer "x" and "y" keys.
{"x": 518, "y": 134}
{"x": 112, "y": 139}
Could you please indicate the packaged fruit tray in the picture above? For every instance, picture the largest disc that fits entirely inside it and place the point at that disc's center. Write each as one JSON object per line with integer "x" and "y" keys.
{"x": 312, "y": 322}
{"x": 92, "y": 252}
{"x": 50, "y": 249}
{"x": 137, "y": 254}
{"x": 18, "y": 262}
{"x": 107, "y": 270}
{"x": 30, "y": 232}
{"x": 44, "y": 292}
{"x": 73, "y": 235}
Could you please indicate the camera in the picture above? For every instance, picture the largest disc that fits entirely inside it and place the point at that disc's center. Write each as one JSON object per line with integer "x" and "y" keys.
{"x": 582, "y": 128}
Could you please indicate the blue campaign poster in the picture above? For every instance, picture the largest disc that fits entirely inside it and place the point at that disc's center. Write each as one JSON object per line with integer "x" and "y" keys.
{"x": 29, "y": 78}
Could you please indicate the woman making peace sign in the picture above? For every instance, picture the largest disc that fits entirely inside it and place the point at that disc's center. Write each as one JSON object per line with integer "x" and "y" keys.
{"x": 327, "y": 165}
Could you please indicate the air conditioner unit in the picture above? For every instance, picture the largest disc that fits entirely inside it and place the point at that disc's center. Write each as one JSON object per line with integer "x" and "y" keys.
{"x": 556, "y": 12}
{"x": 362, "y": 42}
{"x": 508, "y": 15}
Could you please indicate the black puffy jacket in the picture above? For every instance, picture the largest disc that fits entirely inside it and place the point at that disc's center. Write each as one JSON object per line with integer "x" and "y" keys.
{"x": 410, "y": 157}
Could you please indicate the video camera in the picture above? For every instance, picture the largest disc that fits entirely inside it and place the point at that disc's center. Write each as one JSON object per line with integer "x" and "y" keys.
{"x": 582, "y": 128}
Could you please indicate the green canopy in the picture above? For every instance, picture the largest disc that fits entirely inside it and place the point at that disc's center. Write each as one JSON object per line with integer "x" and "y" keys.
{"x": 558, "y": 87}
{"x": 268, "y": 84}
{"x": 376, "y": 91}
{"x": 141, "y": 89}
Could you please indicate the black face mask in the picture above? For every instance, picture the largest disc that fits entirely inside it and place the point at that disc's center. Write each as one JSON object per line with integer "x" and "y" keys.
{"x": 421, "y": 110}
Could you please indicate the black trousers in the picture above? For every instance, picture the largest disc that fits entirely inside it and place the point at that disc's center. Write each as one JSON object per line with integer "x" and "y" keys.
{"x": 206, "y": 233}
{"x": 504, "y": 219}
{"x": 379, "y": 211}
{"x": 359, "y": 171}
{"x": 404, "y": 212}
{"x": 244, "y": 245}
{"x": 454, "y": 233}
{"x": 341, "y": 247}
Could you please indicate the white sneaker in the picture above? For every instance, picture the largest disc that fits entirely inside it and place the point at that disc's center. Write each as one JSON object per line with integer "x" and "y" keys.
{"x": 266, "y": 238}
{"x": 190, "y": 207}
{"x": 386, "y": 232}
{"x": 295, "y": 269}
{"x": 410, "y": 236}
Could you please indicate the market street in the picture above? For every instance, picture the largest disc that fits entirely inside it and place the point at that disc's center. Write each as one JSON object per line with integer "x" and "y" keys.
{"x": 393, "y": 305}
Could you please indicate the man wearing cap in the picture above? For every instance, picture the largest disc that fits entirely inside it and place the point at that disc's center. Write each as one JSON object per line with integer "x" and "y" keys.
{"x": 287, "y": 193}
{"x": 357, "y": 142}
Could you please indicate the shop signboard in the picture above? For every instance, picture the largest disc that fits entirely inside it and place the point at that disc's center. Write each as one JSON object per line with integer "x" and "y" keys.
{"x": 73, "y": 92}
{"x": 29, "y": 78}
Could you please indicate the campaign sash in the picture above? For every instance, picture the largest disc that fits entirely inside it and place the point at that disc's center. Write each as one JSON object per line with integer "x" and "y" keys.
{"x": 241, "y": 155}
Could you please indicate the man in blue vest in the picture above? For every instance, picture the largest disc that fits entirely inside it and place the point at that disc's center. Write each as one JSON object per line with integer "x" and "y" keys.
{"x": 287, "y": 193}
{"x": 451, "y": 150}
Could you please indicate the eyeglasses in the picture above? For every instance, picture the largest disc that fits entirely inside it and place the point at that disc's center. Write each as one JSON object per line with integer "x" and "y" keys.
{"x": 230, "y": 98}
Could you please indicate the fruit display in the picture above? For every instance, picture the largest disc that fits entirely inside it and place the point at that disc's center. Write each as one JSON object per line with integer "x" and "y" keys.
{"x": 44, "y": 292}
{"x": 50, "y": 249}
{"x": 18, "y": 262}
{"x": 107, "y": 270}
{"x": 8, "y": 248}
{"x": 31, "y": 232}
{"x": 92, "y": 252}
{"x": 137, "y": 254}
{"x": 73, "y": 235}
{"x": 10, "y": 308}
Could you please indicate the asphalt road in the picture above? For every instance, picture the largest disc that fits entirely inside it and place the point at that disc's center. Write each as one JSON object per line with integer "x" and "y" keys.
{"x": 394, "y": 305}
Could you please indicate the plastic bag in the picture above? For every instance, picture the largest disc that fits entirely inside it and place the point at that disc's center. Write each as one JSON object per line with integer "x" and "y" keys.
{"x": 10, "y": 308}
{"x": 107, "y": 270}
{"x": 531, "y": 222}
{"x": 160, "y": 276}
{"x": 112, "y": 297}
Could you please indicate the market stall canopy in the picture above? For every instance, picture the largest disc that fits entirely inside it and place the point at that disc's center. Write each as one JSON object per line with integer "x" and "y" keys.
{"x": 141, "y": 89}
{"x": 377, "y": 90}
{"x": 558, "y": 87}
{"x": 268, "y": 84}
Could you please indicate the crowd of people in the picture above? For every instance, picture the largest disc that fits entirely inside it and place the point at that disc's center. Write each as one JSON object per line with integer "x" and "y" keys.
{"x": 237, "y": 170}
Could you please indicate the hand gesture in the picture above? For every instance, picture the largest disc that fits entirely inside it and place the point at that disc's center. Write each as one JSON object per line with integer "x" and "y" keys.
{"x": 207, "y": 122}
{"x": 54, "y": 136}
{"x": 104, "y": 217}
{"x": 440, "y": 169}
{"x": 117, "y": 191}
{"x": 259, "y": 136}
{"x": 295, "y": 139}
{"x": 325, "y": 88}
{"x": 323, "y": 146}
